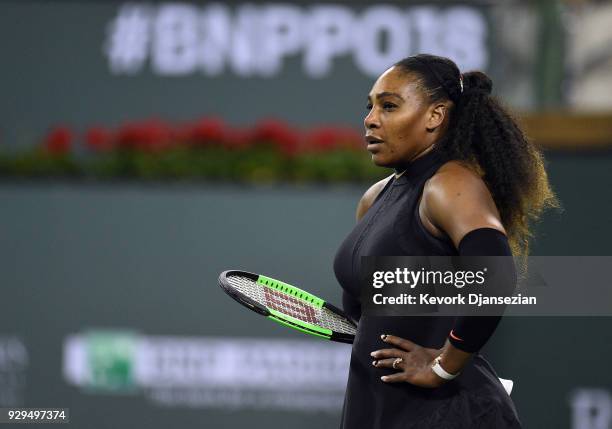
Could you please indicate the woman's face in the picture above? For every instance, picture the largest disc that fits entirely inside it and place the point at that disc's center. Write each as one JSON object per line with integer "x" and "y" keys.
{"x": 397, "y": 120}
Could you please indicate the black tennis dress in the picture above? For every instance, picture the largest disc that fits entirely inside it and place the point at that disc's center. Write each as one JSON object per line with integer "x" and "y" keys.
{"x": 476, "y": 398}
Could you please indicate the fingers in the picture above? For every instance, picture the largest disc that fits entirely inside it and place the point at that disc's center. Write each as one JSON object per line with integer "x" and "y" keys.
{"x": 394, "y": 378}
{"x": 388, "y": 363}
{"x": 387, "y": 353}
{"x": 399, "y": 342}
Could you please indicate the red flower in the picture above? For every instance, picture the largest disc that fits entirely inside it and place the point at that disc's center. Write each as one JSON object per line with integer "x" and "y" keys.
{"x": 278, "y": 133}
{"x": 99, "y": 139}
{"x": 350, "y": 138}
{"x": 58, "y": 141}
{"x": 328, "y": 138}
{"x": 148, "y": 136}
{"x": 239, "y": 139}
{"x": 206, "y": 131}
{"x": 321, "y": 139}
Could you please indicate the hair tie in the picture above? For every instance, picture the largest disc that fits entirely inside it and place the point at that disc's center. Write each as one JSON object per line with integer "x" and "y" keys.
{"x": 440, "y": 80}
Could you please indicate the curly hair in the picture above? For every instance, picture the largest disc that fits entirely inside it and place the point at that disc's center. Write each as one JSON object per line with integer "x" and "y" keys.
{"x": 484, "y": 135}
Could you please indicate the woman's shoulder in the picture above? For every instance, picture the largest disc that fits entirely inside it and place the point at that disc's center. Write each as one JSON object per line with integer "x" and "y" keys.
{"x": 457, "y": 200}
{"x": 455, "y": 179}
{"x": 370, "y": 195}
{"x": 456, "y": 169}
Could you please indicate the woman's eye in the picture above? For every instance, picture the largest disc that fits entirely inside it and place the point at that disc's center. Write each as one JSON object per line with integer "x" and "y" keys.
{"x": 386, "y": 106}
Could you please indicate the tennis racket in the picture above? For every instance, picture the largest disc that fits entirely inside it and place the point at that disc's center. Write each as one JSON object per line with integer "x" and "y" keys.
{"x": 288, "y": 305}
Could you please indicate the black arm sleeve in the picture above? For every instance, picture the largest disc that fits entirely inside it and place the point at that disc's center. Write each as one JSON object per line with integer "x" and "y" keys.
{"x": 470, "y": 333}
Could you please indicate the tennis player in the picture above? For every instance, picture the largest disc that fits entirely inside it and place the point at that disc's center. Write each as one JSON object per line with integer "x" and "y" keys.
{"x": 466, "y": 182}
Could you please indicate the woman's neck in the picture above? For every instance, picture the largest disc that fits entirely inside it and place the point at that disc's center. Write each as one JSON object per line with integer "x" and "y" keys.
{"x": 399, "y": 171}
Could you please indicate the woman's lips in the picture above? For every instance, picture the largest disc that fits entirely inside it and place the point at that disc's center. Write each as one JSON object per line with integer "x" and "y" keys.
{"x": 373, "y": 142}
{"x": 374, "y": 145}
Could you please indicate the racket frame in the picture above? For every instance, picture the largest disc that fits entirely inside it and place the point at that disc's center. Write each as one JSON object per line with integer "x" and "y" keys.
{"x": 279, "y": 317}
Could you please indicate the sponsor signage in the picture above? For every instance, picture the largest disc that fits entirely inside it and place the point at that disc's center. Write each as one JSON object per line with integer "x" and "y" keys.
{"x": 256, "y": 40}
{"x": 210, "y": 372}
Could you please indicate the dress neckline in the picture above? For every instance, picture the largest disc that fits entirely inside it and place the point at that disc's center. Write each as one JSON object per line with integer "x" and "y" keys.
{"x": 418, "y": 167}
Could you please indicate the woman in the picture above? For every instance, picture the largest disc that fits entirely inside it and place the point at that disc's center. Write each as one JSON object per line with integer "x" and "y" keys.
{"x": 466, "y": 182}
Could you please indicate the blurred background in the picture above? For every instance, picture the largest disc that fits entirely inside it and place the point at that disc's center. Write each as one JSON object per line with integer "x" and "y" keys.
{"x": 147, "y": 146}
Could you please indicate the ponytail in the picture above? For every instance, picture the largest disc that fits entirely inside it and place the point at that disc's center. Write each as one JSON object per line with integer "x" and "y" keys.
{"x": 484, "y": 135}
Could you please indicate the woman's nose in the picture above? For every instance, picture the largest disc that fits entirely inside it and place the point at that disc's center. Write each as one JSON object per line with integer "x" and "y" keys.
{"x": 371, "y": 120}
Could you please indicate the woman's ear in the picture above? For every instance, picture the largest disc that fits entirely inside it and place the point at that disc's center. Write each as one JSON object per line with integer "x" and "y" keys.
{"x": 437, "y": 113}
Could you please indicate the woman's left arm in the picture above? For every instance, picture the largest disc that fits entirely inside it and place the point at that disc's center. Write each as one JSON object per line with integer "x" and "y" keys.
{"x": 455, "y": 202}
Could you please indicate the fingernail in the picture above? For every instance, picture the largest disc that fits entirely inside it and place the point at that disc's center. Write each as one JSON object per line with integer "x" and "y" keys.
{"x": 383, "y": 337}
{"x": 374, "y": 362}
{"x": 383, "y": 378}
{"x": 373, "y": 354}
